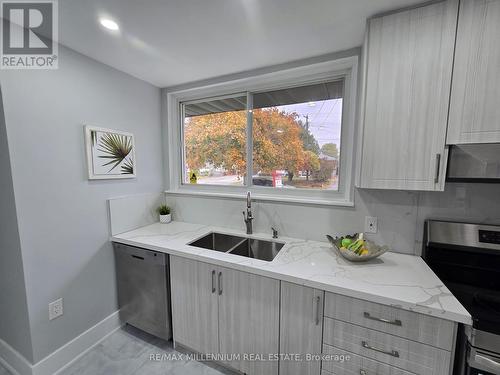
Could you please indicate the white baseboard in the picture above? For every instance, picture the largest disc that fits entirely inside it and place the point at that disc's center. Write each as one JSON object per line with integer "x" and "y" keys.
{"x": 62, "y": 357}
{"x": 70, "y": 352}
{"x": 14, "y": 361}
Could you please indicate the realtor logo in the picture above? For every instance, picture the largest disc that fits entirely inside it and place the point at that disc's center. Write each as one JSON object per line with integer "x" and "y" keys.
{"x": 29, "y": 35}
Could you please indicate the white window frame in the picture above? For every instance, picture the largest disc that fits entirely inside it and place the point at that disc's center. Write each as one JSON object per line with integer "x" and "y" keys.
{"x": 346, "y": 68}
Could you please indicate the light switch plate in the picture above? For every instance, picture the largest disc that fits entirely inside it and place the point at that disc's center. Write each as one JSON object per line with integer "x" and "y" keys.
{"x": 55, "y": 309}
{"x": 370, "y": 224}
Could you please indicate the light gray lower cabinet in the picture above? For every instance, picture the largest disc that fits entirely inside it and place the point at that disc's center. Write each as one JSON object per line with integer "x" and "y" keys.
{"x": 395, "y": 351}
{"x": 217, "y": 310}
{"x": 249, "y": 320}
{"x": 348, "y": 363}
{"x": 194, "y": 305}
{"x": 380, "y": 339}
{"x": 301, "y": 328}
{"x": 408, "y": 324}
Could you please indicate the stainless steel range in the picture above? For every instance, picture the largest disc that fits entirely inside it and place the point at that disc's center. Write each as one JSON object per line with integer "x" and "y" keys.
{"x": 466, "y": 257}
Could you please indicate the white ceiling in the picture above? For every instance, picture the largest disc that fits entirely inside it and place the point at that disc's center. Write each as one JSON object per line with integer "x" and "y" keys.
{"x": 170, "y": 42}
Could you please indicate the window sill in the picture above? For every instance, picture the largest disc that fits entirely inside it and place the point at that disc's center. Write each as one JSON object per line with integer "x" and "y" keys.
{"x": 263, "y": 198}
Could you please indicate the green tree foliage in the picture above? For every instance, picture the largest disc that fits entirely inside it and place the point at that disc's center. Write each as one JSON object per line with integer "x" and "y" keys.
{"x": 330, "y": 149}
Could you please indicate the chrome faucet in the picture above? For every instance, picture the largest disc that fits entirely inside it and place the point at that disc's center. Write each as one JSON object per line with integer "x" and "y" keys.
{"x": 248, "y": 217}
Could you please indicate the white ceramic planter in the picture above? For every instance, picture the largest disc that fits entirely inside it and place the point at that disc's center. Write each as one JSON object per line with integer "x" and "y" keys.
{"x": 165, "y": 219}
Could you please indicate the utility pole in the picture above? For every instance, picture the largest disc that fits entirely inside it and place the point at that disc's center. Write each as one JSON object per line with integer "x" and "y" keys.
{"x": 307, "y": 135}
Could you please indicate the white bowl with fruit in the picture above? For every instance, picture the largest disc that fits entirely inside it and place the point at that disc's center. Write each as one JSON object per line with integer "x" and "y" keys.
{"x": 356, "y": 247}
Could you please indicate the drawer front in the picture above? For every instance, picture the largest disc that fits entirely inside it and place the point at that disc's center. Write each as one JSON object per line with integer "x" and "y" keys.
{"x": 414, "y": 326}
{"x": 395, "y": 351}
{"x": 356, "y": 365}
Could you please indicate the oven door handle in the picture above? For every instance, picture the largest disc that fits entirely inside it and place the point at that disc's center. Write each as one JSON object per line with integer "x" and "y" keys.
{"x": 484, "y": 361}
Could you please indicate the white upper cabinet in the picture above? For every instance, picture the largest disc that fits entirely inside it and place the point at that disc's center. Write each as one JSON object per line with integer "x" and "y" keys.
{"x": 475, "y": 94}
{"x": 408, "y": 68}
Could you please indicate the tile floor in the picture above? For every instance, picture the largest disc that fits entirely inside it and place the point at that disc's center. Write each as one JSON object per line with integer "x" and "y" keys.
{"x": 3, "y": 370}
{"x": 127, "y": 352}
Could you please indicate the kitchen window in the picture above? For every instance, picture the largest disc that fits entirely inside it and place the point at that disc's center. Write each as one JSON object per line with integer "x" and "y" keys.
{"x": 295, "y": 138}
{"x": 215, "y": 144}
{"x": 288, "y": 138}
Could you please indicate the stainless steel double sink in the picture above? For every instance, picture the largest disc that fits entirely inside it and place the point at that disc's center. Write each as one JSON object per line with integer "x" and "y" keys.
{"x": 243, "y": 246}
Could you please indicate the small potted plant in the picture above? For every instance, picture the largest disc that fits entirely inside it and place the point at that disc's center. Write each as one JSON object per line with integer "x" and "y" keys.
{"x": 165, "y": 215}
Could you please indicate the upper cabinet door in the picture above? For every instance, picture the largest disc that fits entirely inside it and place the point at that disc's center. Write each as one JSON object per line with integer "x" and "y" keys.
{"x": 408, "y": 77}
{"x": 475, "y": 95}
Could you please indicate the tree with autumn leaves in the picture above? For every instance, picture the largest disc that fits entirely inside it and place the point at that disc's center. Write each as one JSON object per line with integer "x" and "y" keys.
{"x": 218, "y": 139}
{"x": 277, "y": 142}
{"x": 280, "y": 142}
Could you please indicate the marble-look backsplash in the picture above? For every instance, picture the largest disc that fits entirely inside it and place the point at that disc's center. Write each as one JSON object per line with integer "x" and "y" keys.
{"x": 401, "y": 215}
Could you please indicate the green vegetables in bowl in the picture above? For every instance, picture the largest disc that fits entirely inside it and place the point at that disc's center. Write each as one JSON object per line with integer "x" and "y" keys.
{"x": 356, "y": 248}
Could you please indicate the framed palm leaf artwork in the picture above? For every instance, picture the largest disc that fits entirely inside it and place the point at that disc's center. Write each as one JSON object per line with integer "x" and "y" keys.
{"x": 110, "y": 153}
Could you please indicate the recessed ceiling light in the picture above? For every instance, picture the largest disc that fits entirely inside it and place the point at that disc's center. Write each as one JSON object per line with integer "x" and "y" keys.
{"x": 109, "y": 24}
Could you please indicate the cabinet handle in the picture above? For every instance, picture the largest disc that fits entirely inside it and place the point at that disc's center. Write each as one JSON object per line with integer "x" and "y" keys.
{"x": 395, "y": 322}
{"x": 220, "y": 283}
{"x": 483, "y": 360}
{"x": 394, "y": 353}
{"x": 490, "y": 364}
{"x": 438, "y": 167}
{"x": 213, "y": 281}
{"x": 317, "y": 300}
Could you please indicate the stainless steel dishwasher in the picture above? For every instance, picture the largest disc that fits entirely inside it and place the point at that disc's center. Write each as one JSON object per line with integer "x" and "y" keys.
{"x": 144, "y": 289}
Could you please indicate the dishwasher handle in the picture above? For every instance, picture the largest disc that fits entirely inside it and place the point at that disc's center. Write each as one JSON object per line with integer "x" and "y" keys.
{"x": 137, "y": 254}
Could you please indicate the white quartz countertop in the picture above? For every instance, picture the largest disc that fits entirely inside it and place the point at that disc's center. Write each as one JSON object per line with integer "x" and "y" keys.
{"x": 399, "y": 280}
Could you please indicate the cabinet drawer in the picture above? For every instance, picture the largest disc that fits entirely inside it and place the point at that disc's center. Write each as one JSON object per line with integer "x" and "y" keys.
{"x": 411, "y": 325}
{"x": 357, "y": 365}
{"x": 395, "y": 351}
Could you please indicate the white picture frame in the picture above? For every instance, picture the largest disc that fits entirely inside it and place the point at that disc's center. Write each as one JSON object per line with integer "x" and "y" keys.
{"x": 110, "y": 153}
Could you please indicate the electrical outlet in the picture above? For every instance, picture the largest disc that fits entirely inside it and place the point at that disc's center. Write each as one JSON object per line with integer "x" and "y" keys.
{"x": 370, "y": 224}
{"x": 55, "y": 309}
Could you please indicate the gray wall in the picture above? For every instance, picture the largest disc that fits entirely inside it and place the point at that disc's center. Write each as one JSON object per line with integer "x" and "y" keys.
{"x": 62, "y": 216}
{"x": 14, "y": 323}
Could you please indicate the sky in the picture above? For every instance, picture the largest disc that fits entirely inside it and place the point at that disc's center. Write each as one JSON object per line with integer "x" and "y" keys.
{"x": 325, "y": 119}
